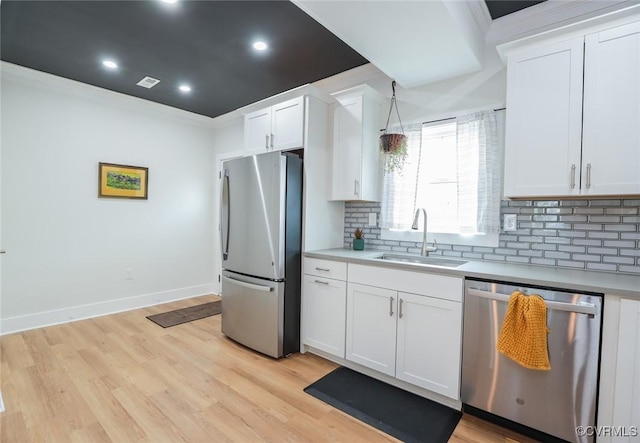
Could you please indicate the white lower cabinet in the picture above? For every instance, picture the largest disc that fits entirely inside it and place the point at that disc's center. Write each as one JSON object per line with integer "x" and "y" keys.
{"x": 371, "y": 327}
{"x": 429, "y": 337}
{"x": 415, "y": 338}
{"x": 619, "y": 390}
{"x": 626, "y": 408}
{"x": 324, "y": 304}
{"x": 324, "y": 314}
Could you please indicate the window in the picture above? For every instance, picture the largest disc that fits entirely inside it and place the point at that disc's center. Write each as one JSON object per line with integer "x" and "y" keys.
{"x": 437, "y": 185}
{"x": 453, "y": 171}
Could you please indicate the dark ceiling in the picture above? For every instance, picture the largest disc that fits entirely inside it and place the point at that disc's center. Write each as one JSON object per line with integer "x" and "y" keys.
{"x": 206, "y": 44}
{"x": 500, "y": 8}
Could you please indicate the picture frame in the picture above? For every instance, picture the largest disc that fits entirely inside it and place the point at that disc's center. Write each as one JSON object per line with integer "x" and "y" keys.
{"x": 122, "y": 181}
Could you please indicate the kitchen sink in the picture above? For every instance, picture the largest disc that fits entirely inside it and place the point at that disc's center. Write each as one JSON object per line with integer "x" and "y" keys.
{"x": 418, "y": 259}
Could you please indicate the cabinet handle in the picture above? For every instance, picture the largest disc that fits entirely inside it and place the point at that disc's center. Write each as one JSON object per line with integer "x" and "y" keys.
{"x": 355, "y": 186}
{"x": 323, "y": 269}
{"x": 573, "y": 176}
{"x": 266, "y": 142}
{"x": 588, "y": 175}
{"x": 400, "y": 309}
{"x": 322, "y": 282}
{"x": 390, "y": 306}
{"x": 271, "y": 141}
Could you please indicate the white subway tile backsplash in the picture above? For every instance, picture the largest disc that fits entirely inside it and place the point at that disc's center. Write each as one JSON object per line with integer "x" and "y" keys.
{"x": 558, "y": 255}
{"x": 602, "y": 235}
{"x": 601, "y": 267}
{"x": 631, "y": 227}
{"x": 623, "y": 211}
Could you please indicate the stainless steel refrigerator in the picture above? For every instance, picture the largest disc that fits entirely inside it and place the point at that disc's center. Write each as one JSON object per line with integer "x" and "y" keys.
{"x": 260, "y": 231}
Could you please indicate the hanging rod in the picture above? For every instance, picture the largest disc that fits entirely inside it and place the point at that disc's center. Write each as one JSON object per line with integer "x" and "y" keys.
{"x": 453, "y": 118}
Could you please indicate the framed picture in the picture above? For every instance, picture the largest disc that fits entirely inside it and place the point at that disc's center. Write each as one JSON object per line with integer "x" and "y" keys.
{"x": 122, "y": 181}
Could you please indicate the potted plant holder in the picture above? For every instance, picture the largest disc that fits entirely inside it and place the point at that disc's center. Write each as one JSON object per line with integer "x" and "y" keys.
{"x": 358, "y": 242}
{"x": 393, "y": 146}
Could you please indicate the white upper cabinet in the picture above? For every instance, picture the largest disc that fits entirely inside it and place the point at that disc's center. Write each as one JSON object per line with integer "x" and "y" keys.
{"x": 611, "y": 135}
{"x": 544, "y": 120}
{"x": 276, "y": 128}
{"x": 566, "y": 137}
{"x": 356, "y": 132}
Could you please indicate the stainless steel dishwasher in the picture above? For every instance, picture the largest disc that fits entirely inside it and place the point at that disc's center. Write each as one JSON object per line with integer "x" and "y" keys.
{"x": 553, "y": 402}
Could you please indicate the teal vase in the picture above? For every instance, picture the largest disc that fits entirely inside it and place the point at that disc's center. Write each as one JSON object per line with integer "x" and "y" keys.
{"x": 358, "y": 244}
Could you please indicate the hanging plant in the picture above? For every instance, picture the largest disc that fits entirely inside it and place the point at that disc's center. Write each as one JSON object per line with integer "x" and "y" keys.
{"x": 393, "y": 146}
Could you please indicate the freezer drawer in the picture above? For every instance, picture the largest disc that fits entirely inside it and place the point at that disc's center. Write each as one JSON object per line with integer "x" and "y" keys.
{"x": 253, "y": 312}
{"x": 554, "y": 402}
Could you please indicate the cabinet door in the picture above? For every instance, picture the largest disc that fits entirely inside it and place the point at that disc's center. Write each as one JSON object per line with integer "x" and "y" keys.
{"x": 371, "y": 327}
{"x": 429, "y": 343}
{"x": 626, "y": 409}
{"x": 257, "y": 130}
{"x": 544, "y": 121}
{"x": 347, "y": 149}
{"x": 324, "y": 314}
{"x": 287, "y": 125}
{"x": 611, "y": 153}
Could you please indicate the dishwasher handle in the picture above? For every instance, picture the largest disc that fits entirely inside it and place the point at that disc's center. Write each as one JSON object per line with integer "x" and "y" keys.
{"x": 578, "y": 308}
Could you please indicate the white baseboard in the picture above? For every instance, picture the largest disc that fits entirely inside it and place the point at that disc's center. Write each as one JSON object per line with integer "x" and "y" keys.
{"x": 82, "y": 312}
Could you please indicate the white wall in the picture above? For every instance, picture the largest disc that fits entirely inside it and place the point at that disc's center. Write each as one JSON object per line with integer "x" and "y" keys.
{"x": 228, "y": 143}
{"x": 68, "y": 251}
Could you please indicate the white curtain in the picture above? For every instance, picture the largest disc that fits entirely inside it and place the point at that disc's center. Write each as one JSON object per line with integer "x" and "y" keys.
{"x": 479, "y": 177}
{"x": 400, "y": 186}
{"x": 479, "y": 173}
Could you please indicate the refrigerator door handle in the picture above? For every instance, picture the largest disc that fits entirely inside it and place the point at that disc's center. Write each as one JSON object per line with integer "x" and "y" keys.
{"x": 226, "y": 202}
{"x": 578, "y": 308}
{"x": 244, "y": 284}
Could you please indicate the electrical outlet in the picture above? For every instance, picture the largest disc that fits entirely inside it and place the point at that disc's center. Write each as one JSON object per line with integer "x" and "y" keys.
{"x": 372, "y": 219}
{"x": 510, "y": 222}
{"x": 129, "y": 272}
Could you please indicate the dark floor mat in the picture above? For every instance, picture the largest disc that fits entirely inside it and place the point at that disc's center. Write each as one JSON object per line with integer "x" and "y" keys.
{"x": 399, "y": 413}
{"x": 179, "y": 316}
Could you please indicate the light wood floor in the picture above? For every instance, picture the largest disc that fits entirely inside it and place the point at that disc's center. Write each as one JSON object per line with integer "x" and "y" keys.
{"x": 121, "y": 378}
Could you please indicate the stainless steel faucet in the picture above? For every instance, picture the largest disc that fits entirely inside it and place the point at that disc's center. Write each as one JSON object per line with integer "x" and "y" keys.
{"x": 425, "y": 247}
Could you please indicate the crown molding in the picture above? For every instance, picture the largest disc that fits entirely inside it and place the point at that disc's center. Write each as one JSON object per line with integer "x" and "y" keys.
{"x": 556, "y": 15}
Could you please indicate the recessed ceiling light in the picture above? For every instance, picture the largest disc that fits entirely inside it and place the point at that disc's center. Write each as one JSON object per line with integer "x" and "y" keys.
{"x": 260, "y": 46}
{"x": 184, "y": 88}
{"x": 169, "y": 1}
{"x": 110, "y": 64}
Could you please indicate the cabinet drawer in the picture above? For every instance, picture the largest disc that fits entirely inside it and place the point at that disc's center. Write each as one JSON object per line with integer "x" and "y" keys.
{"x": 430, "y": 285}
{"x": 325, "y": 268}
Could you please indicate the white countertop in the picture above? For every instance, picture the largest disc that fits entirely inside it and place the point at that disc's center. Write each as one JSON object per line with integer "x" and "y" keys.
{"x": 625, "y": 285}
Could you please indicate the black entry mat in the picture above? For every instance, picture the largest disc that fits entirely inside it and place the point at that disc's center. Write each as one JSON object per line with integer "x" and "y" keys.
{"x": 184, "y": 315}
{"x": 399, "y": 413}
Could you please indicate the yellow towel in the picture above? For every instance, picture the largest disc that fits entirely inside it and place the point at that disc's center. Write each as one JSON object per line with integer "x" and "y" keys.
{"x": 523, "y": 336}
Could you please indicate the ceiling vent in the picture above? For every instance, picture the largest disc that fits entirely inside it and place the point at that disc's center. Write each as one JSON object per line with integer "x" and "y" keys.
{"x": 148, "y": 82}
